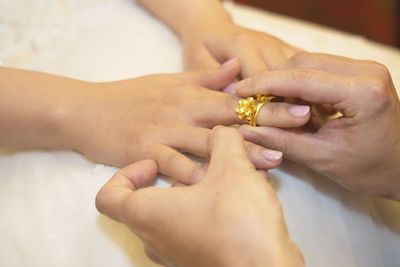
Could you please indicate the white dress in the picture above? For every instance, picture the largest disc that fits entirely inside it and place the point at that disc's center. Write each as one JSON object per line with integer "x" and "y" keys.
{"x": 47, "y": 208}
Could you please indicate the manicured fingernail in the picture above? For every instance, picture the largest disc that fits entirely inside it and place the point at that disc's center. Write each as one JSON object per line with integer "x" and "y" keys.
{"x": 272, "y": 155}
{"x": 229, "y": 63}
{"x": 230, "y": 89}
{"x": 299, "y": 111}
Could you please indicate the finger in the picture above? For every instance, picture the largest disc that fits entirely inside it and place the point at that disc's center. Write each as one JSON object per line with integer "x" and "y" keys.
{"x": 328, "y": 63}
{"x": 307, "y": 84}
{"x": 195, "y": 141}
{"x": 274, "y": 57}
{"x": 215, "y": 108}
{"x": 283, "y": 115}
{"x": 252, "y": 62}
{"x": 152, "y": 255}
{"x": 111, "y": 198}
{"x": 219, "y": 109}
{"x": 289, "y": 51}
{"x": 227, "y": 148}
{"x": 174, "y": 164}
{"x": 201, "y": 60}
{"x": 295, "y": 144}
{"x": 218, "y": 78}
{"x": 250, "y": 58}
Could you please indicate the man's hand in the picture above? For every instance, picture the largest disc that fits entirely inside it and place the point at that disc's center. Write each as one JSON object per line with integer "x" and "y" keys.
{"x": 230, "y": 218}
{"x": 361, "y": 150}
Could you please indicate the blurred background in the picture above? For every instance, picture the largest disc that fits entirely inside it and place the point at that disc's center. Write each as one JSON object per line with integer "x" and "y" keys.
{"x": 378, "y": 20}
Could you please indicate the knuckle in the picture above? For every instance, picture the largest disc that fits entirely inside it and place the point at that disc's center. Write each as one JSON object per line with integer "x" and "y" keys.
{"x": 174, "y": 159}
{"x": 281, "y": 144}
{"x": 251, "y": 149}
{"x": 302, "y": 75}
{"x": 376, "y": 90}
{"x": 300, "y": 58}
{"x": 380, "y": 68}
{"x": 274, "y": 110}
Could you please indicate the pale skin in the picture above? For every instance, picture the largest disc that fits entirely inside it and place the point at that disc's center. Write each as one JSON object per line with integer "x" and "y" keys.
{"x": 151, "y": 120}
{"x": 231, "y": 217}
{"x": 210, "y": 37}
{"x": 361, "y": 150}
{"x": 154, "y": 117}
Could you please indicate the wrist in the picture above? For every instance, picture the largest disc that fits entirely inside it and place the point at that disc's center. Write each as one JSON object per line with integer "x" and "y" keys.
{"x": 71, "y": 116}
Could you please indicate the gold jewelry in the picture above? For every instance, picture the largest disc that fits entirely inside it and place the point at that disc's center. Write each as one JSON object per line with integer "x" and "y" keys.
{"x": 248, "y": 109}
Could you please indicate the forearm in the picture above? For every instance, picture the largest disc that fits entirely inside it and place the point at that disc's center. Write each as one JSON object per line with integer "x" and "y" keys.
{"x": 35, "y": 108}
{"x": 184, "y": 16}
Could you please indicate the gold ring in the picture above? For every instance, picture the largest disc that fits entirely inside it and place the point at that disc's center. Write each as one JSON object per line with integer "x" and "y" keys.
{"x": 248, "y": 109}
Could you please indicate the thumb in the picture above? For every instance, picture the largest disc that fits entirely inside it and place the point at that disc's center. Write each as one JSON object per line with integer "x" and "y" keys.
{"x": 121, "y": 188}
{"x": 218, "y": 78}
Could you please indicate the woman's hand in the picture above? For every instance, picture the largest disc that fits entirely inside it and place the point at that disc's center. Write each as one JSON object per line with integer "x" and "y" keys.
{"x": 361, "y": 150}
{"x": 230, "y": 218}
{"x": 159, "y": 117}
{"x": 210, "y": 45}
{"x": 210, "y": 37}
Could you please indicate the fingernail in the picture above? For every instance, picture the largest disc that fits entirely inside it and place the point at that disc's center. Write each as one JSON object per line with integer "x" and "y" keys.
{"x": 230, "y": 89}
{"x": 272, "y": 155}
{"x": 299, "y": 111}
{"x": 229, "y": 63}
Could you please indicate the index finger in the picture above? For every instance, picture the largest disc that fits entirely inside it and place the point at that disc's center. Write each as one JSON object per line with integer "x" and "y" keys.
{"x": 307, "y": 84}
{"x": 227, "y": 148}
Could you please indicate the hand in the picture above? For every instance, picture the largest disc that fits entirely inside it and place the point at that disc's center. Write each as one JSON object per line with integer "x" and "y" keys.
{"x": 361, "y": 150}
{"x": 230, "y": 218}
{"x": 211, "y": 45}
{"x": 160, "y": 117}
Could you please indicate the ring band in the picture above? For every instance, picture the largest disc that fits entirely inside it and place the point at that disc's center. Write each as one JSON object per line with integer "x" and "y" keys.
{"x": 248, "y": 109}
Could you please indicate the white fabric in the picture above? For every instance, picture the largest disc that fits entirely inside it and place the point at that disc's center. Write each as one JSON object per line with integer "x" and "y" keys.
{"x": 47, "y": 208}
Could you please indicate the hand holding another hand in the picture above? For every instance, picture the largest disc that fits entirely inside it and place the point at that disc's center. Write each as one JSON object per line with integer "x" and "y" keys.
{"x": 159, "y": 117}
{"x": 361, "y": 150}
{"x": 230, "y": 218}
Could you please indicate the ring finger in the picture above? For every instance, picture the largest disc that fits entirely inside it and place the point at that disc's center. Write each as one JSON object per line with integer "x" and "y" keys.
{"x": 283, "y": 115}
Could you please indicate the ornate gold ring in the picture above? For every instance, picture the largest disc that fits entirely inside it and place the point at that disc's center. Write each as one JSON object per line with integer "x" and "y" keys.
{"x": 248, "y": 108}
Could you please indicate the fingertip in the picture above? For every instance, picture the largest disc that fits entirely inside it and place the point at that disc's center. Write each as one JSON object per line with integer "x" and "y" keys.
{"x": 232, "y": 63}
{"x": 230, "y": 89}
{"x": 242, "y": 88}
{"x": 263, "y": 158}
{"x": 220, "y": 77}
{"x": 141, "y": 173}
